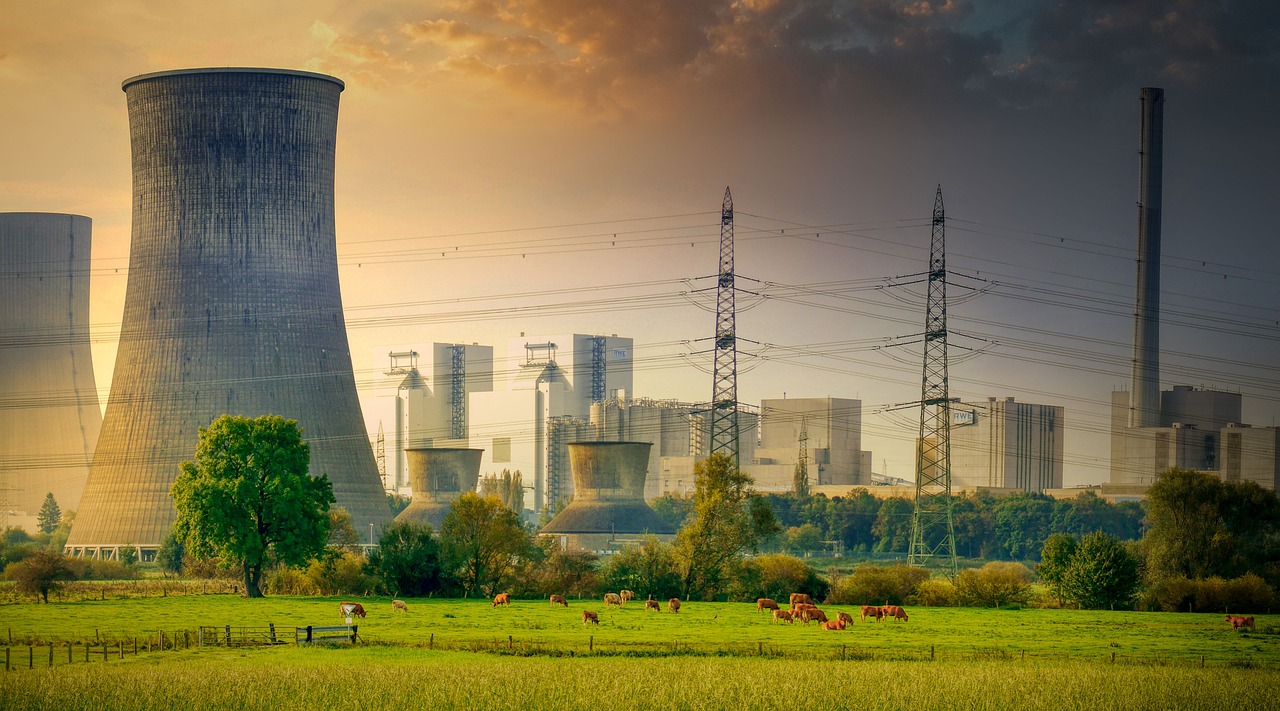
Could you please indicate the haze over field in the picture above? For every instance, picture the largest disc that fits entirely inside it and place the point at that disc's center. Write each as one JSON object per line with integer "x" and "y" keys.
{"x": 552, "y": 166}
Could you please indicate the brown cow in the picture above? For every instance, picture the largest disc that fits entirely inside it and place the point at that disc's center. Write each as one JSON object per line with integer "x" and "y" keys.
{"x": 673, "y": 604}
{"x": 626, "y": 595}
{"x": 502, "y": 599}
{"x": 784, "y": 616}
{"x": 834, "y": 625}
{"x": 813, "y": 613}
{"x": 351, "y": 609}
{"x": 765, "y": 603}
{"x": 799, "y": 597}
{"x": 399, "y": 605}
{"x": 894, "y": 612}
{"x": 871, "y": 611}
{"x": 1238, "y": 621}
{"x": 652, "y": 605}
{"x": 589, "y": 616}
{"x": 844, "y": 617}
{"x": 559, "y": 600}
{"x": 612, "y": 599}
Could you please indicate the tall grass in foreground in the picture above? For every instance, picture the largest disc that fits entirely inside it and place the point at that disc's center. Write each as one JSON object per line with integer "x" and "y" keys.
{"x": 386, "y": 678}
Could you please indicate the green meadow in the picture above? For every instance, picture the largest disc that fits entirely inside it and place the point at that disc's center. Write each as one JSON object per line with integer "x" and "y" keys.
{"x": 532, "y": 627}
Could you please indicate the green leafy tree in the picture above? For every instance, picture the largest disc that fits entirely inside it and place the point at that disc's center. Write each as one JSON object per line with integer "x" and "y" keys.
{"x": 800, "y": 480}
{"x": 649, "y": 570}
{"x": 804, "y": 539}
{"x": 58, "y": 539}
{"x": 483, "y": 543}
{"x": 893, "y": 525}
{"x": 248, "y": 496}
{"x": 342, "y": 530}
{"x": 1022, "y": 523}
{"x": 41, "y": 573}
{"x": 566, "y": 571}
{"x": 128, "y": 555}
{"x": 407, "y": 559}
{"x": 1200, "y": 526}
{"x": 728, "y": 518}
{"x": 171, "y": 554}
{"x": 50, "y": 514}
{"x": 675, "y": 510}
{"x": 1055, "y": 560}
{"x": 1102, "y": 574}
{"x": 397, "y": 503}
{"x": 996, "y": 584}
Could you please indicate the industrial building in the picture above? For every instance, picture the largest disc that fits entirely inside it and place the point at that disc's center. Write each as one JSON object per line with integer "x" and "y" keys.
{"x": 49, "y": 413}
{"x": 553, "y": 378}
{"x": 431, "y": 411}
{"x": 1004, "y": 444}
{"x": 608, "y": 510}
{"x": 1187, "y": 433}
{"x": 832, "y": 432}
{"x": 1250, "y": 454}
{"x": 233, "y": 304}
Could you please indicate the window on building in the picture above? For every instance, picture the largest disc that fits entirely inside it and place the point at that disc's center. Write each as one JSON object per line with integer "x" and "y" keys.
{"x": 501, "y": 449}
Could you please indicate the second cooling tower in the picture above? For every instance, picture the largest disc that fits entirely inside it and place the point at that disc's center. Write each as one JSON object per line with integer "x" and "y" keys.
{"x": 232, "y": 305}
{"x": 608, "y": 509}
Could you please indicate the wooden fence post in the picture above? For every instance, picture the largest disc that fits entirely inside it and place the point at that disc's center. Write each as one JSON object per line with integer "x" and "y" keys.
{"x": 431, "y": 643}
{"x": 228, "y": 635}
{"x": 69, "y": 652}
{"x": 509, "y": 643}
{"x": 272, "y": 626}
{"x": 200, "y": 636}
{"x": 308, "y": 634}
{"x": 1113, "y": 657}
{"x": 760, "y": 648}
{"x": 120, "y": 648}
{"x": 160, "y": 639}
{"x": 591, "y": 643}
{"x": 354, "y": 630}
{"x": 931, "y": 651}
{"x": 6, "y": 658}
{"x": 50, "y": 655}
{"x": 135, "y": 646}
{"x": 31, "y": 657}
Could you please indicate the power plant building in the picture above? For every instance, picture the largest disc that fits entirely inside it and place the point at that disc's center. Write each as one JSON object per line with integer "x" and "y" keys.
{"x": 1190, "y": 424}
{"x": 431, "y": 410}
{"x": 49, "y": 412}
{"x": 233, "y": 304}
{"x": 553, "y": 378}
{"x": 833, "y": 443}
{"x": 1250, "y": 454}
{"x": 1006, "y": 444}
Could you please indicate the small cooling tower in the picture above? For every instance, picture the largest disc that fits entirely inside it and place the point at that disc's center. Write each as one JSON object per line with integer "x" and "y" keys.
{"x": 49, "y": 415}
{"x": 438, "y": 477}
{"x": 233, "y": 305}
{"x": 608, "y": 506}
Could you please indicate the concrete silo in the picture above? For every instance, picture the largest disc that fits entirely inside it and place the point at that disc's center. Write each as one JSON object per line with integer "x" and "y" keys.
{"x": 233, "y": 305}
{"x": 608, "y": 508}
{"x": 438, "y": 478}
{"x": 49, "y": 414}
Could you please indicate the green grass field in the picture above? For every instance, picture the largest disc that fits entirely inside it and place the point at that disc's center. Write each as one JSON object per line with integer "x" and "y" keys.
{"x": 402, "y": 678}
{"x": 529, "y": 626}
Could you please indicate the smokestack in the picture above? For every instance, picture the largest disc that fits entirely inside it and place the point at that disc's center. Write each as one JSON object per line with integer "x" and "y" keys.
{"x": 1144, "y": 397}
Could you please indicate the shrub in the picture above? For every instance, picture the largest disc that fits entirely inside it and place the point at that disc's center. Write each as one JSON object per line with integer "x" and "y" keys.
{"x": 1245, "y": 594}
{"x": 934, "y": 592}
{"x": 40, "y": 574}
{"x": 285, "y": 580}
{"x": 649, "y": 570}
{"x": 775, "y": 577}
{"x": 98, "y": 569}
{"x": 996, "y": 584}
{"x": 407, "y": 560}
{"x": 342, "y": 574}
{"x": 1101, "y": 574}
{"x": 877, "y": 585}
{"x": 1248, "y": 593}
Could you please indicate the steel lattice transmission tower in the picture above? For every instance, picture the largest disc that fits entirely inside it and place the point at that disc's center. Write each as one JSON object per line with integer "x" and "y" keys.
{"x": 932, "y": 528}
{"x": 724, "y": 399}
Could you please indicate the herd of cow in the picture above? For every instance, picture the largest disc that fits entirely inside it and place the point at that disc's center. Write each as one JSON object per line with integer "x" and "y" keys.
{"x": 802, "y": 609}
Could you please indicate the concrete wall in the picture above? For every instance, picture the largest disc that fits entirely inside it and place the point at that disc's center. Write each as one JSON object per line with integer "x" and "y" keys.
{"x": 50, "y": 419}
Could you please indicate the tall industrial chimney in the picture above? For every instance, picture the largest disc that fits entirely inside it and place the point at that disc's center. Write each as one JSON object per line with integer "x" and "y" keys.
{"x": 233, "y": 305}
{"x": 49, "y": 415}
{"x": 1144, "y": 397}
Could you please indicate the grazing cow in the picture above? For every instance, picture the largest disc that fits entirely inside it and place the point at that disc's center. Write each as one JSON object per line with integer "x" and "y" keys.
{"x": 801, "y": 609}
{"x": 833, "y": 625}
{"x": 559, "y": 600}
{"x": 844, "y": 617}
{"x": 799, "y": 597}
{"x": 612, "y": 599}
{"x": 894, "y": 612}
{"x": 502, "y": 599}
{"x": 784, "y": 616}
{"x": 813, "y": 613}
{"x": 673, "y": 604}
{"x": 590, "y": 617}
{"x": 626, "y": 595}
{"x": 871, "y": 611}
{"x": 652, "y": 604}
{"x": 765, "y": 603}
{"x": 351, "y": 609}
{"x": 1238, "y": 621}
{"x": 399, "y": 605}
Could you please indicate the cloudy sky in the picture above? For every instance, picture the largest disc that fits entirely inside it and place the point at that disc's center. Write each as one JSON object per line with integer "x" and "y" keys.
{"x": 554, "y": 166}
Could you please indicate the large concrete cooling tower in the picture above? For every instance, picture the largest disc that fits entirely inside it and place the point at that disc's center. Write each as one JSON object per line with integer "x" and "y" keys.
{"x": 233, "y": 303}
{"x": 49, "y": 415}
{"x": 608, "y": 508}
{"x": 438, "y": 477}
